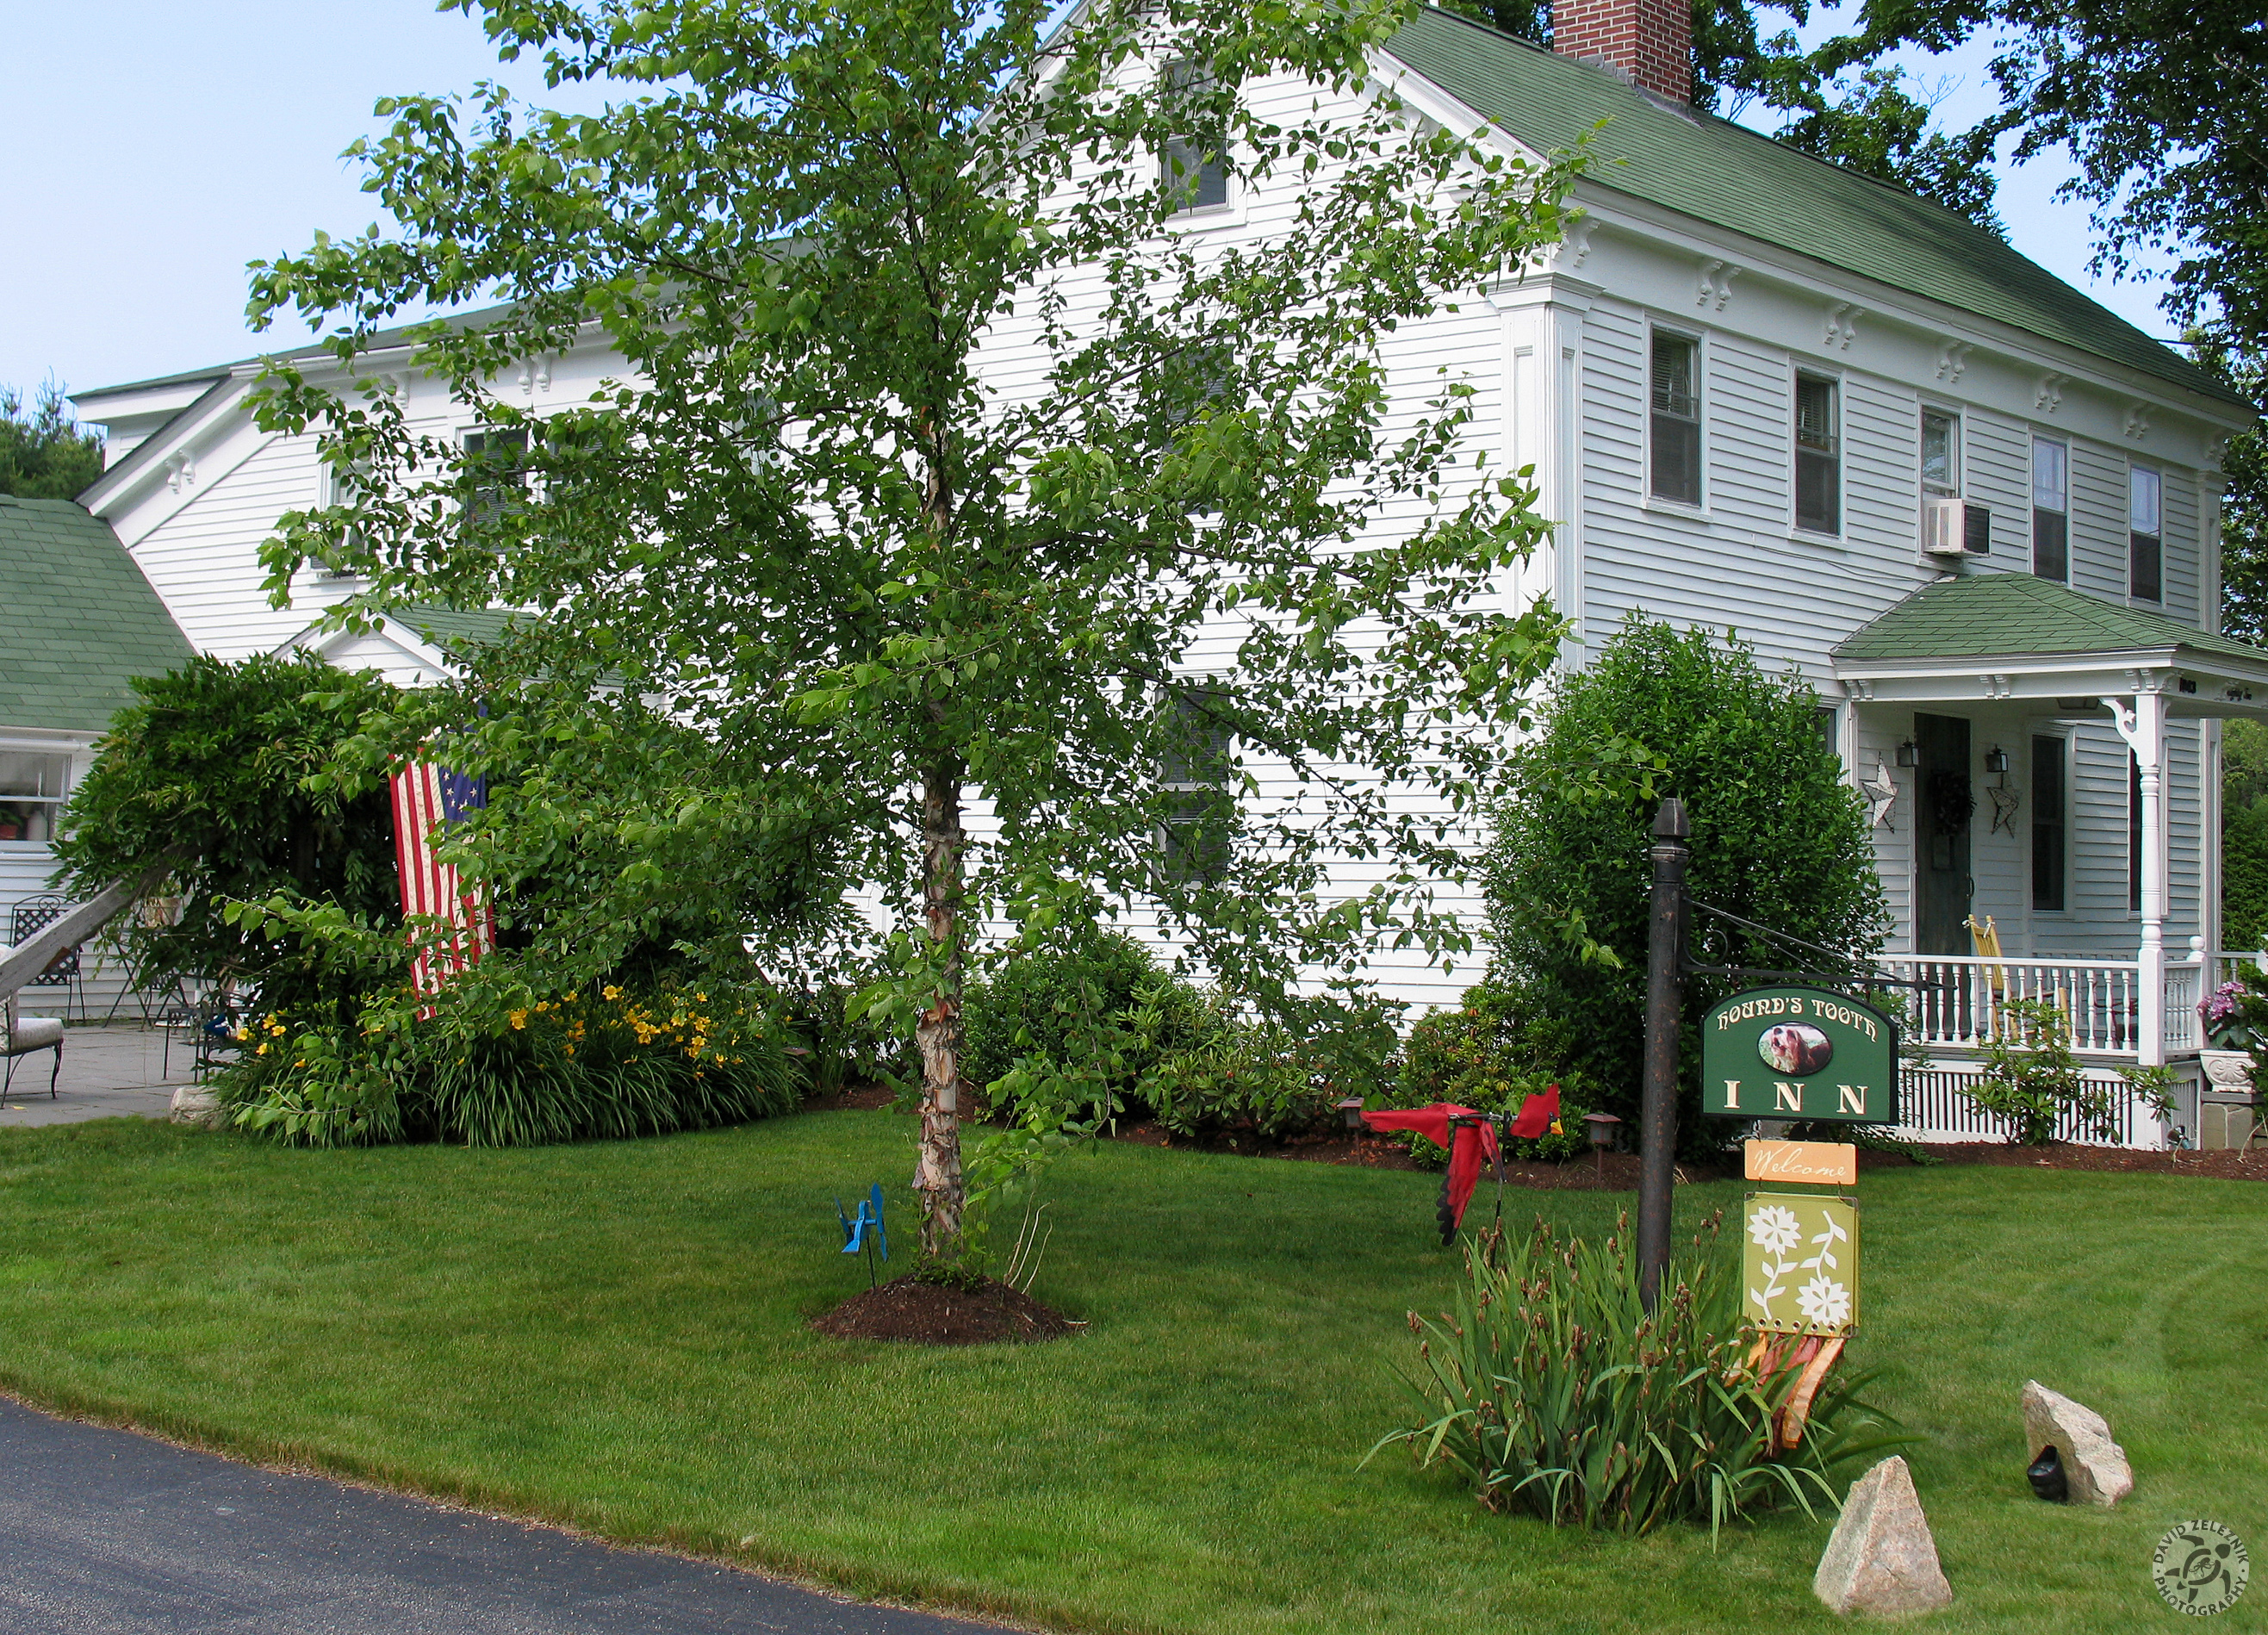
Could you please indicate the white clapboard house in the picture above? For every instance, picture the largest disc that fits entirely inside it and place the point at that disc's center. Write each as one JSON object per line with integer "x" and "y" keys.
{"x": 1972, "y": 506}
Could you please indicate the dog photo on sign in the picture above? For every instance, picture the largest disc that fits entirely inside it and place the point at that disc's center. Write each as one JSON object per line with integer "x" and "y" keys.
{"x": 1794, "y": 1048}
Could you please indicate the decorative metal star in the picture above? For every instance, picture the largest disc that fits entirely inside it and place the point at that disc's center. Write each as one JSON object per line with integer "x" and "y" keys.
{"x": 2004, "y": 808}
{"x": 1882, "y": 792}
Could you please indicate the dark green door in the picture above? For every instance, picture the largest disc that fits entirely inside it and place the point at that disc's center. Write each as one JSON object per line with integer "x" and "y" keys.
{"x": 1943, "y": 806}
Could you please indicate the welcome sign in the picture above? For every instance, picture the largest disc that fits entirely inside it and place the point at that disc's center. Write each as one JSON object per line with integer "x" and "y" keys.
{"x": 1800, "y": 1053}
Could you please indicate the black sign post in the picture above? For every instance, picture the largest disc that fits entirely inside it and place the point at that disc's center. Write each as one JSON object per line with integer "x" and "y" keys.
{"x": 1665, "y": 1004}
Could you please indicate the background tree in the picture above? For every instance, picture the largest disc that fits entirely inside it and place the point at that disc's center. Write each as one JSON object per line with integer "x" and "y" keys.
{"x": 876, "y": 566}
{"x": 1778, "y": 837}
{"x": 45, "y": 454}
{"x": 208, "y": 767}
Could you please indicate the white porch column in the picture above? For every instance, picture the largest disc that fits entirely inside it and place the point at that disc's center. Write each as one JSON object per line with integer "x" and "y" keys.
{"x": 2144, "y": 728}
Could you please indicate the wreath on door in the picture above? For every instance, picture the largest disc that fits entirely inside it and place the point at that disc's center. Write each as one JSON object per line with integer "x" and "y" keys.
{"x": 1951, "y": 805}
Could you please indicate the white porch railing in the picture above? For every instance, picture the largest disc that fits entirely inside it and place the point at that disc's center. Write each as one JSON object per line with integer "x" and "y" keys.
{"x": 1958, "y": 999}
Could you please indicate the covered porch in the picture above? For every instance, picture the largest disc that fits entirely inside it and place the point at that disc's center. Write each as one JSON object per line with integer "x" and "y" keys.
{"x": 2043, "y": 765}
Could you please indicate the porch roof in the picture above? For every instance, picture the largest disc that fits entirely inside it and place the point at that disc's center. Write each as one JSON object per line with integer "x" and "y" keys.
{"x": 1990, "y": 636}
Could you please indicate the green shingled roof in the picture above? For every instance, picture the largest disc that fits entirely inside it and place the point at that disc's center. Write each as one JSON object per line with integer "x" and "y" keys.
{"x": 1730, "y": 176}
{"x": 2013, "y": 614}
{"x": 77, "y": 621}
{"x": 446, "y": 627}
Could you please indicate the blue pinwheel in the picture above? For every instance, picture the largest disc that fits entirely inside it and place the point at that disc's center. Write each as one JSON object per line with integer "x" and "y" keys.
{"x": 864, "y": 1230}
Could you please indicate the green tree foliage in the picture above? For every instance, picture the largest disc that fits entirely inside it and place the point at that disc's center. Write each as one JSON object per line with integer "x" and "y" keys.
{"x": 45, "y": 454}
{"x": 1780, "y": 837}
{"x": 210, "y": 766}
{"x": 815, "y": 533}
{"x": 2244, "y": 508}
{"x": 2244, "y": 835}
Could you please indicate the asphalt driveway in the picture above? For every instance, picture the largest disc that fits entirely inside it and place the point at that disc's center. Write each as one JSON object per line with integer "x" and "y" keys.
{"x": 101, "y": 1531}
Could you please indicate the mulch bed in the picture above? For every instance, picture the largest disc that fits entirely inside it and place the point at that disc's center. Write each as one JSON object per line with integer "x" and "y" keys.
{"x": 1618, "y": 1172}
{"x": 929, "y": 1313}
{"x": 2247, "y": 1166}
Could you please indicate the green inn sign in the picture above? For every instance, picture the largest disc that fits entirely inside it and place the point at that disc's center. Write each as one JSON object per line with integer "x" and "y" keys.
{"x": 1800, "y": 1053}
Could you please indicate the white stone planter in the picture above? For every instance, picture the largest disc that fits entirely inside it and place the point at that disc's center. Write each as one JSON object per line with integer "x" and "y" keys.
{"x": 2227, "y": 1071}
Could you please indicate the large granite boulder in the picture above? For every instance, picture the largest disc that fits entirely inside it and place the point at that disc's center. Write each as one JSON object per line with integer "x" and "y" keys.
{"x": 2093, "y": 1467}
{"x": 1882, "y": 1559}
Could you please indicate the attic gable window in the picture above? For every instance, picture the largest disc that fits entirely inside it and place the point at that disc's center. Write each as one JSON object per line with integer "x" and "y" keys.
{"x": 2050, "y": 509}
{"x": 2144, "y": 556}
{"x": 1197, "y": 164}
{"x": 1818, "y": 455}
{"x": 1675, "y": 395}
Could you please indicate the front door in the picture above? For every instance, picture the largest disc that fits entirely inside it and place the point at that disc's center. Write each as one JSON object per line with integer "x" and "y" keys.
{"x": 1943, "y": 804}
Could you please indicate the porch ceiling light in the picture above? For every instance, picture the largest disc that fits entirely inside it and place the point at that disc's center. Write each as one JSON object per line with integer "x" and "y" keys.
{"x": 2073, "y": 706}
{"x": 1907, "y": 753}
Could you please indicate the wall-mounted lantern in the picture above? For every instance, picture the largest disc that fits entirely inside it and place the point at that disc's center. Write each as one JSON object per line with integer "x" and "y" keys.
{"x": 1907, "y": 755}
{"x": 1996, "y": 760}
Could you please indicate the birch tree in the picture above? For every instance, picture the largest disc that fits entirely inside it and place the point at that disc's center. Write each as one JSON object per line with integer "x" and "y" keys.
{"x": 955, "y": 466}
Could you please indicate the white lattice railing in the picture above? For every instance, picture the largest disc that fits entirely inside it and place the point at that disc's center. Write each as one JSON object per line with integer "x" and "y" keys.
{"x": 1957, "y": 999}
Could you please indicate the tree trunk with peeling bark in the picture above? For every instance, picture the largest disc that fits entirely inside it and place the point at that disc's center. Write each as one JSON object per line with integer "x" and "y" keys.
{"x": 936, "y": 1172}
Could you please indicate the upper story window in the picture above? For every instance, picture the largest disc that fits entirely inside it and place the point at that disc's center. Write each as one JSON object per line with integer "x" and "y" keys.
{"x": 1199, "y": 164}
{"x": 2144, "y": 581}
{"x": 1676, "y": 397}
{"x": 2050, "y": 509}
{"x": 339, "y": 489}
{"x": 495, "y": 464}
{"x": 1818, "y": 455}
{"x": 32, "y": 790}
{"x": 1940, "y": 453}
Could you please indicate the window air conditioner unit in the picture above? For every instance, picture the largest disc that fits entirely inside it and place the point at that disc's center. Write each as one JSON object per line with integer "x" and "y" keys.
{"x": 1952, "y": 527}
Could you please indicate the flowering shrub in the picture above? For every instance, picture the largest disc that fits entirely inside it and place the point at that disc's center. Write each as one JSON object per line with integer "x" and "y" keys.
{"x": 485, "y": 1071}
{"x": 2222, "y": 1012}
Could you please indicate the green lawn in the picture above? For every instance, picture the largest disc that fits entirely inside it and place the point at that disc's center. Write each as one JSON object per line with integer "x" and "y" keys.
{"x": 612, "y": 1335}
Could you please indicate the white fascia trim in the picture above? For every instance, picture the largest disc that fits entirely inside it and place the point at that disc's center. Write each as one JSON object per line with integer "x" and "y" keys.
{"x": 1654, "y": 224}
{"x": 111, "y": 492}
{"x": 1986, "y": 678}
{"x": 412, "y": 646}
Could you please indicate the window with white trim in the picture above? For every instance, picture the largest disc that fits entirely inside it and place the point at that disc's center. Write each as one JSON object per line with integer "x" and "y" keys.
{"x": 1197, "y": 163}
{"x": 1194, "y": 773}
{"x": 2145, "y": 555}
{"x": 1940, "y": 453}
{"x": 1818, "y": 454}
{"x": 33, "y": 786}
{"x": 2050, "y": 509}
{"x": 1675, "y": 391}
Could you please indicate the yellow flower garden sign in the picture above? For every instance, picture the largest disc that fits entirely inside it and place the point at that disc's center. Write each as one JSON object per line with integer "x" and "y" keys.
{"x": 1800, "y": 1263}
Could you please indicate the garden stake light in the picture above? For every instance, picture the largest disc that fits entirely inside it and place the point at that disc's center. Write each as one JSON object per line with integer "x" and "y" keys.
{"x": 1351, "y": 1109}
{"x": 1601, "y": 1127}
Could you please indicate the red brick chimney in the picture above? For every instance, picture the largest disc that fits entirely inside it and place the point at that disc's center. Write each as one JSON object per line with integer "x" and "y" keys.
{"x": 1649, "y": 42}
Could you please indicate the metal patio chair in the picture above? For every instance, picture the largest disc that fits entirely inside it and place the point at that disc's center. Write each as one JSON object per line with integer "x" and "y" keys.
{"x": 27, "y": 1035}
{"x": 34, "y": 915}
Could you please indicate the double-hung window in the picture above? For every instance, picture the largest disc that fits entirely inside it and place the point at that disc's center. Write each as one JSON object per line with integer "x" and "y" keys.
{"x": 2049, "y": 775}
{"x": 495, "y": 465}
{"x": 1676, "y": 430}
{"x": 32, "y": 790}
{"x": 2050, "y": 509}
{"x": 2145, "y": 577}
{"x": 1197, "y": 164}
{"x": 1940, "y": 453}
{"x": 1818, "y": 455}
{"x": 1195, "y": 774}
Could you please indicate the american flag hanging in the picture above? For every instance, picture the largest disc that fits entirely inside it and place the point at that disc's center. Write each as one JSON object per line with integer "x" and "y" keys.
{"x": 424, "y": 796}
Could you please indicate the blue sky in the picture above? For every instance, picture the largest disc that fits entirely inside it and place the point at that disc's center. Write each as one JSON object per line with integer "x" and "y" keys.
{"x": 153, "y": 150}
